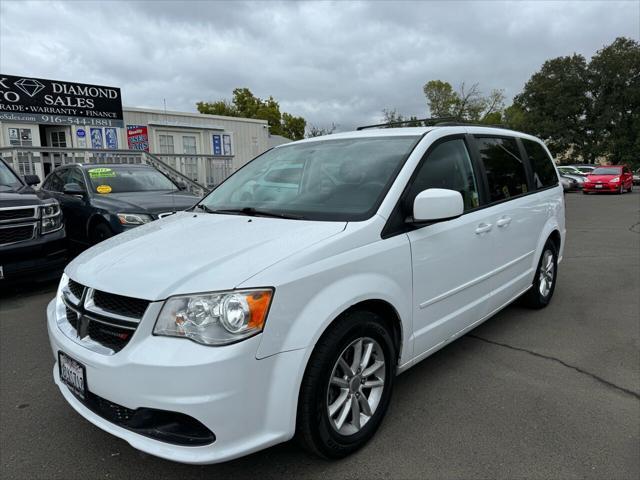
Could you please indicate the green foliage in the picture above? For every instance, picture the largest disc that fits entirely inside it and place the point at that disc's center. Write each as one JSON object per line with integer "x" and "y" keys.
{"x": 554, "y": 103}
{"x": 588, "y": 109}
{"x": 466, "y": 104}
{"x": 614, "y": 88}
{"x": 392, "y": 116}
{"x": 316, "y": 131}
{"x": 246, "y": 105}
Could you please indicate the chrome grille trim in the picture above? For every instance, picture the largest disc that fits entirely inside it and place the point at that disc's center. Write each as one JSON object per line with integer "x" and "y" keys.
{"x": 18, "y": 225}
{"x": 34, "y": 208}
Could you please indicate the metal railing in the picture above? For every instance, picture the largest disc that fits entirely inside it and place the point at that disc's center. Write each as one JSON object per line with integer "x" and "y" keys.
{"x": 199, "y": 173}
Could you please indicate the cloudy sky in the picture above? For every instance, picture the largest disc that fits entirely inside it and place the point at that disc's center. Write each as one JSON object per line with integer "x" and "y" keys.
{"x": 340, "y": 62}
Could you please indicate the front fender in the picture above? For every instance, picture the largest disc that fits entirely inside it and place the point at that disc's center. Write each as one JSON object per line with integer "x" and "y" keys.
{"x": 304, "y": 307}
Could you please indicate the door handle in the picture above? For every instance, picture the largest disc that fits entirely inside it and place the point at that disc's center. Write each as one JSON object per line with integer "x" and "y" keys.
{"x": 503, "y": 222}
{"x": 483, "y": 228}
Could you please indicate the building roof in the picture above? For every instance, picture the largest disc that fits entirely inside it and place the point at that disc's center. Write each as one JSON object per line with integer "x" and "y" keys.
{"x": 193, "y": 114}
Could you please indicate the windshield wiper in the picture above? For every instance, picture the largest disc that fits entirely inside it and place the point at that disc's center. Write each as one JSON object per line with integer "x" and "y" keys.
{"x": 252, "y": 212}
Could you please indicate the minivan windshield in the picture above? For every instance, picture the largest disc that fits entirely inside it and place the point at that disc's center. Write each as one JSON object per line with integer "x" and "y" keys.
{"x": 120, "y": 179}
{"x": 333, "y": 179}
{"x": 8, "y": 180}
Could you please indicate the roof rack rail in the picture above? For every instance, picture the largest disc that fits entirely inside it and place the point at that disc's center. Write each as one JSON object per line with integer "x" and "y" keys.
{"x": 434, "y": 122}
{"x": 426, "y": 122}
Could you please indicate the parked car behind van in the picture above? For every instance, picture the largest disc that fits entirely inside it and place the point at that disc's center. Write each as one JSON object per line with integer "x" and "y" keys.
{"x": 609, "y": 178}
{"x": 243, "y": 323}
{"x": 32, "y": 237}
{"x": 99, "y": 201}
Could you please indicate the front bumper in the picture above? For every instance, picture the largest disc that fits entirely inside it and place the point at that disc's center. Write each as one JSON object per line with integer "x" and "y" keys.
{"x": 45, "y": 254}
{"x": 248, "y": 404}
{"x": 606, "y": 187}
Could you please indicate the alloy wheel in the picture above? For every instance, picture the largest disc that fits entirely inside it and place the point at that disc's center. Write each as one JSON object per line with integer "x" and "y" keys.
{"x": 356, "y": 385}
{"x": 547, "y": 268}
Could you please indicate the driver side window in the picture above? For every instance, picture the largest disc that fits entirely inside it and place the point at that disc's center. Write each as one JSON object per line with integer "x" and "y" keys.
{"x": 447, "y": 166}
{"x": 54, "y": 183}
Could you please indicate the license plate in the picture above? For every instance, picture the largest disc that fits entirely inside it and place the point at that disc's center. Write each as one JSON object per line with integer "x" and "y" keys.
{"x": 598, "y": 186}
{"x": 73, "y": 375}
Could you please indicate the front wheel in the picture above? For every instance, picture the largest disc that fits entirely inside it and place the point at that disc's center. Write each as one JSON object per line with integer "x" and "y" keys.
{"x": 347, "y": 386}
{"x": 544, "y": 282}
{"x": 100, "y": 232}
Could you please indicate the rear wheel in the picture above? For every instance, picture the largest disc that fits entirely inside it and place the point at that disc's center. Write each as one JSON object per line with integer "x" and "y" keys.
{"x": 347, "y": 386}
{"x": 100, "y": 232}
{"x": 544, "y": 282}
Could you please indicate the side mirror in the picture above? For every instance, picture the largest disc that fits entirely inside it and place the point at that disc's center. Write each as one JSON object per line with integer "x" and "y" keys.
{"x": 437, "y": 204}
{"x": 31, "y": 180}
{"x": 74, "y": 189}
{"x": 181, "y": 186}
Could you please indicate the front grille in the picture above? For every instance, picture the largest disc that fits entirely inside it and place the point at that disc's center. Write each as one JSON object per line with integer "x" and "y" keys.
{"x": 109, "y": 335}
{"x": 75, "y": 288}
{"x": 111, "y": 411}
{"x": 103, "y": 322}
{"x": 17, "y": 213}
{"x": 72, "y": 317}
{"x": 162, "y": 425}
{"x": 119, "y": 304}
{"x": 16, "y": 234}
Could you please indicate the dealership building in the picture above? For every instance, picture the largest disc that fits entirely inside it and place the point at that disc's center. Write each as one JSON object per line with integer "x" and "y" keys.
{"x": 46, "y": 123}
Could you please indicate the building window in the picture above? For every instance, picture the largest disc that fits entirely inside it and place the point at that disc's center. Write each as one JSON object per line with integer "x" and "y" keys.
{"x": 20, "y": 137}
{"x": 166, "y": 144}
{"x": 58, "y": 139}
{"x": 189, "y": 145}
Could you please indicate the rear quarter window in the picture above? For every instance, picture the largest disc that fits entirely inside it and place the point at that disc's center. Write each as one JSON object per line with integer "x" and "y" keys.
{"x": 544, "y": 174}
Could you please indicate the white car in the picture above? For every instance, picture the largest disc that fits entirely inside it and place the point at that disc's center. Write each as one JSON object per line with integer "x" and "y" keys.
{"x": 220, "y": 331}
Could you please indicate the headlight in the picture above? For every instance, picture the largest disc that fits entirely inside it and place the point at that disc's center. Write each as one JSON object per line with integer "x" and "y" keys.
{"x": 216, "y": 318}
{"x": 50, "y": 217}
{"x": 134, "y": 218}
{"x": 614, "y": 180}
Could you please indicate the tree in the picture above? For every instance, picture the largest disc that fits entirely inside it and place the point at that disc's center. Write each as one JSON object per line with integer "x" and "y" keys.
{"x": 466, "y": 104}
{"x": 614, "y": 88}
{"x": 392, "y": 116}
{"x": 554, "y": 105}
{"x": 316, "y": 131}
{"x": 245, "y": 104}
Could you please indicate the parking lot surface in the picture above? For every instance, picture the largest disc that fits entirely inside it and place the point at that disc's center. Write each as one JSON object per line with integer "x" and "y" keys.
{"x": 528, "y": 394}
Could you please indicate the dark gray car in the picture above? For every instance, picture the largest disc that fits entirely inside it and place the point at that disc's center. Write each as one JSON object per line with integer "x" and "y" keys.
{"x": 99, "y": 201}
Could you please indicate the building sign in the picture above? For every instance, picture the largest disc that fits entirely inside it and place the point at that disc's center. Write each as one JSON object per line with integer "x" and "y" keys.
{"x": 35, "y": 100}
{"x": 217, "y": 145}
{"x": 138, "y": 137}
{"x": 111, "y": 138}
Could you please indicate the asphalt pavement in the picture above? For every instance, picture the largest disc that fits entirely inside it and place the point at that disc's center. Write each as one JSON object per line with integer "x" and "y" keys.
{"x": 528, "y": 394}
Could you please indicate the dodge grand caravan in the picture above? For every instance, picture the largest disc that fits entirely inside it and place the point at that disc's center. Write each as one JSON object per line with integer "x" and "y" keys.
{"x": 244, "y": 322}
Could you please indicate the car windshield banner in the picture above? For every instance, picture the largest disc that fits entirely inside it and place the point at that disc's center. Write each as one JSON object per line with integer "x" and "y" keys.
{"x": 36, "y": 100}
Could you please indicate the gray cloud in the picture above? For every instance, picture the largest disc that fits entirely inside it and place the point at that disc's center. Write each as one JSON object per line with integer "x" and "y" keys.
{"x": 340, "y": 62}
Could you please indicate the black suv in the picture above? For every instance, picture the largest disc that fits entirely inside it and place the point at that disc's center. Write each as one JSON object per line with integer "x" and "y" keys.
{"x": 32, "y": 236}
{"x": 101, "y": 200}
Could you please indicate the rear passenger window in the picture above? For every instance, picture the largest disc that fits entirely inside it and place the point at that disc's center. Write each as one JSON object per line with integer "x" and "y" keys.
{"x": 544, "y": 174}
{"x": 447, "y": 166}
{"x": 504, "y": 167}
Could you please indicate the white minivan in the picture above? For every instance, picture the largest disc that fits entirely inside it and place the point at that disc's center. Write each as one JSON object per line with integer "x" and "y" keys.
{"x": 254, "y": 318}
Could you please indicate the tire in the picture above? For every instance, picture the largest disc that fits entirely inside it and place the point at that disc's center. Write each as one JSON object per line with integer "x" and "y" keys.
{"x": 100, "y": 232}
{"x": 538, "y": 296}
{"x": 318, "y": 431}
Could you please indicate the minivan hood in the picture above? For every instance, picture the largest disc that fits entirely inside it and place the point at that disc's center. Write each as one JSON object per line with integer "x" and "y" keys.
{"x": 193, "y": 252}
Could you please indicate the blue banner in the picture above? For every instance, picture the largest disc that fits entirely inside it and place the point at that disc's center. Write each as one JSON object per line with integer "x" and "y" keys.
{"x": 111, "y": 137}
{"x": 217, "y": 145}
{"x": 96, "y": 138}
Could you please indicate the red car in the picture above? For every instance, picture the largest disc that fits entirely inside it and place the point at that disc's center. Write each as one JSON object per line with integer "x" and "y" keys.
{"x": 609, "y": 178}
